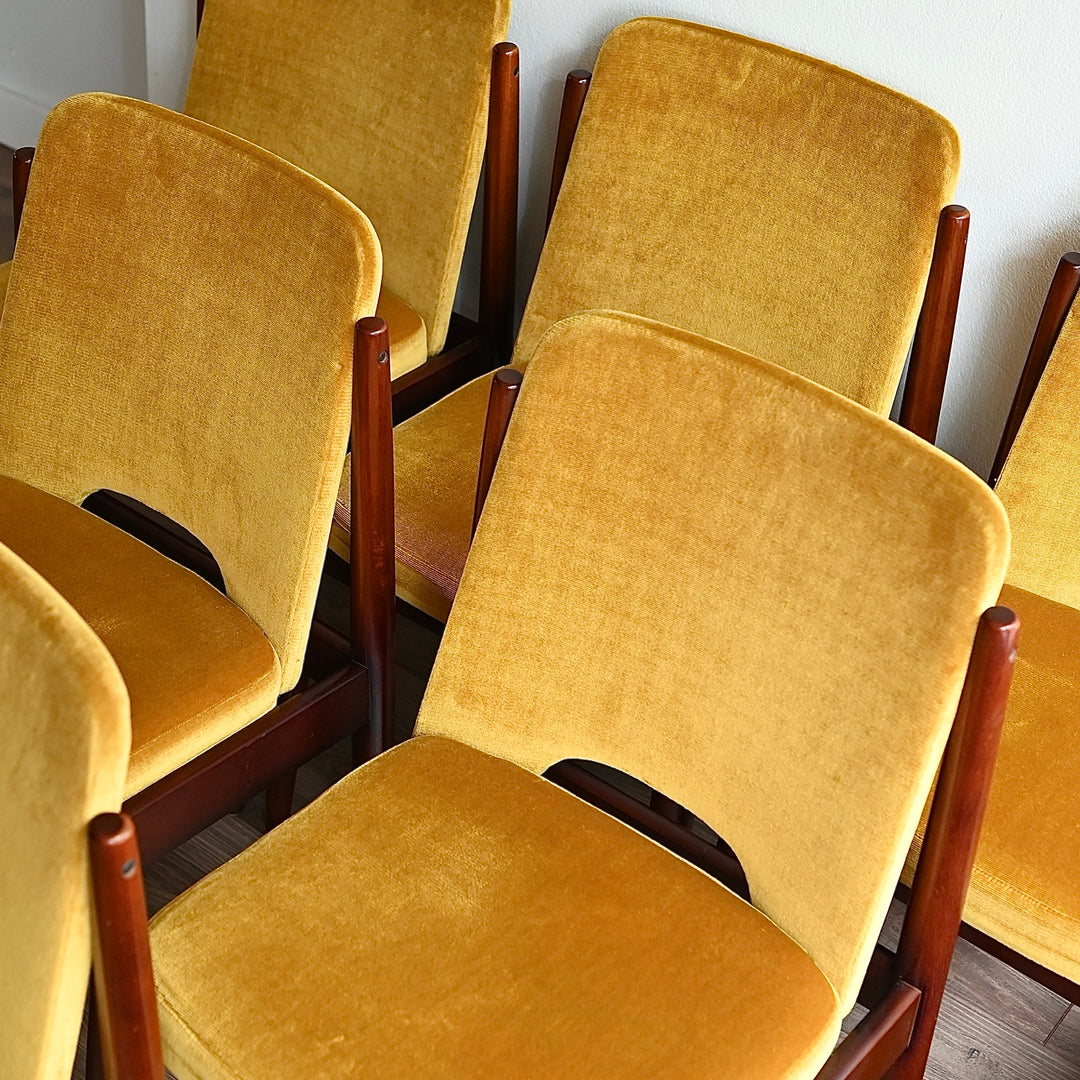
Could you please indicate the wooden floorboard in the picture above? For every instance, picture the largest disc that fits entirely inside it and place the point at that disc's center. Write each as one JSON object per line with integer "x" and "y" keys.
{"x": 995, "y": 1024}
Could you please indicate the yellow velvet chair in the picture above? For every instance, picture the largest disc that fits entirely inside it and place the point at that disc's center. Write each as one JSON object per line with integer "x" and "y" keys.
{"x": 1024, "y": 903}
{"x": 180, "y": 328}
{"x": 388, "y": 102}
{"x": 64, "y": 744}
{"x": 771, "y": 622}
{"x": 758, "y": 197}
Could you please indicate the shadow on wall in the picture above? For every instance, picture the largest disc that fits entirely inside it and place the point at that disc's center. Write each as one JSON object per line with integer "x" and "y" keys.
{"x": 975, "y": 409}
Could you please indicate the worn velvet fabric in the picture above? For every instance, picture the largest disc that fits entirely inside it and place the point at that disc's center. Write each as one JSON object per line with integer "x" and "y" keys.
{"x": 1025, "y": 886}
{"x": 443, "y": 913}
{"x": 196, "y": 667}
{"x": 64, "y": 740}
{"x": 756, "y": 196}
{"x": 178, "y": 327}
{"x": 699, "y": 575}
{"x": 385, "y": 100}
{"x": 1040, "y": 479}
{"x": 408, "y": 334}
{"x": 737, "y": 586}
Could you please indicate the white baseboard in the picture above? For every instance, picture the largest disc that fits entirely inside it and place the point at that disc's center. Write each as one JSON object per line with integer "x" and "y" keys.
{"x": 21, "y": 118}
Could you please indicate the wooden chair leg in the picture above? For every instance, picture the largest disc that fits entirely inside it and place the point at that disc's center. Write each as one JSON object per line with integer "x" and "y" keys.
{"x": 371, "y": 536}
{"x": 504, "y": 392}
{"x": 279, "y": 800}
{"x": 941, "y": 878}
{"x": 1059, "y": 299}
{"x": 20, "y": 177}
{"x": 498, "y": 255}
{"x": 574, "y": 91}
{"x": 920, "y": 407}
{"x": 123, "y": 976}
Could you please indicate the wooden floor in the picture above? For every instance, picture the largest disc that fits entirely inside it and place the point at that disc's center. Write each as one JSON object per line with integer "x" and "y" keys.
{"x": 994, "y": 1023}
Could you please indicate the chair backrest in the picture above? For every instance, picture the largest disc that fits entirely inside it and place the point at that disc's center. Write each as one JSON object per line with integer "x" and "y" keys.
{"x": 64, "y": 744}
{"x": 385, "y": 100}
{"x": 1038, "y": 484}
{"x": 179, "y": 328}
{"x": 753, "y": 195}
{"x": 747, "y": 591}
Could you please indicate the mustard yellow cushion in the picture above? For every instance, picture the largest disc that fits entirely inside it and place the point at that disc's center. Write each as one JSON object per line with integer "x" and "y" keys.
{"x": 1025, "y": 887}
{"x": 739, "y": 587}
{"x": 196, "y": 667}
{"x": 408, "y": 335}
{"x": 443, "y": 913}
{"x": 64, "y": 737}
{"x": 5, "y": 273}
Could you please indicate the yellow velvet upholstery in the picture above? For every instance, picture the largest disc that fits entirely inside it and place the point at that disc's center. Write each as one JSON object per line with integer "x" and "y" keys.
{"x": 693, "y": 569}
{"x": 443, "y": 913}
{"x": 5, "y": 273}
{"x": 168, "y": 336}
{"x": 408, "y": 335}
{"x": 781, "y": 572}
{"x": 385, "y": 100}
{"x": 1039, "y": 480}
{"x": 745, "y": 192}
{"x": 1025, "y": 886}
{"x": 63, "y": 752}
{"x": 196, "y": 667}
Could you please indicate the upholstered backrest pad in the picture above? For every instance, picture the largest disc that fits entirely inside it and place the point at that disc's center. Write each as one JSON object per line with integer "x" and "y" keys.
{"x": 64, "y": 740}
{"x": 745, "y": 590}
{"x": 179, "y": 327}
{"x": 385, "y": 100}
{"x": 1040, "y": 484}
{"x": 762, "y": 198}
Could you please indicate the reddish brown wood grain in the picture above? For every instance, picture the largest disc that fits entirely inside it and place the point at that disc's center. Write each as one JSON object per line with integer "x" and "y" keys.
{"x": 1059, "y": 299}
{"x": 504, "y": 391}
{"x": 573, "y": 101}
{"x": 952, "y": 833}
{"x": 20, "y": 177}
{"x": 878, "y": 1040}
{"x": 371, "y": 532}
{"x": 920, "y": 408}
{"x": 498, "y": 255}
{"x": 123, "y": 974}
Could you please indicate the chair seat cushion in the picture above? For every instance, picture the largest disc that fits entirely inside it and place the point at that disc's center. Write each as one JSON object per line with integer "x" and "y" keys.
{"x": 436, "y": 460}
{"x": 444, "y": 913}
{"x": 408, "y": 334}
{"x": 196, "y": 667}
{"x": 5, "y": 274}
{"x": 1025, "y": 886}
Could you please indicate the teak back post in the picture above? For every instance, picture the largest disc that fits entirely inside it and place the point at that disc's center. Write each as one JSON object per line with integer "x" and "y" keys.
{"x": 1059, "y": 299}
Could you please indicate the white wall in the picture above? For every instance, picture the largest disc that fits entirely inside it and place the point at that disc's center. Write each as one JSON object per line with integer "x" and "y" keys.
{"x": 1000, "y": 71}
{"x": 51, "y": 49}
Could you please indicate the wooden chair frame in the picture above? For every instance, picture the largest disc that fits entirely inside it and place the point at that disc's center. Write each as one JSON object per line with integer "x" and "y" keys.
{"x": 347, "y": 682}
{"x": 902, "y": 990}
{"x": 1059, "y": 299}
